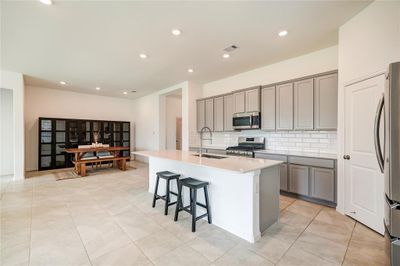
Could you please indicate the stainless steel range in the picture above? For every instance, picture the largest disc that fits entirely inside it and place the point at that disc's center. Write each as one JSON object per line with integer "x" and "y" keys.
{"x": 247, "y": 146}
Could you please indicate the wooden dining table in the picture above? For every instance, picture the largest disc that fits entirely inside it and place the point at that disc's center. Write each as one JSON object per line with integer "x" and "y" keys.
{"x": 80, "y": 164}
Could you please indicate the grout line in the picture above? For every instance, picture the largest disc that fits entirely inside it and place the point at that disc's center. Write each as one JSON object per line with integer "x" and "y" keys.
{"x": 30, "y": 230}
{"x": 79, "y": 234}
{"x": 299, "y": 234}
{"x": 348, "y": 244}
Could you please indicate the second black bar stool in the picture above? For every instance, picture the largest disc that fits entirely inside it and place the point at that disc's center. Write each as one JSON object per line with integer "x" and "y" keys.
{"x": 193, "y": 185}
{"x": 167, "y": 176}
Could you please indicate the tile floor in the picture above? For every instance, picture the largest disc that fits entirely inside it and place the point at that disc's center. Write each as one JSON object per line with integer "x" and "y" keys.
{"x": 106, "y": 219}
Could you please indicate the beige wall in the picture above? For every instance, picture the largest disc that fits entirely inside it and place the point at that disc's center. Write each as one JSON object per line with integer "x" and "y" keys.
{"x": 44, "y": 102}
{"x": 308, "y": 64}
{"x": 368, "y": 43}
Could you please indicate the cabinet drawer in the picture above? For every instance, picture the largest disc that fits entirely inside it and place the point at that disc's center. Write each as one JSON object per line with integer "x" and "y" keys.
{"x": 299, "y": 179}
{"x": 312, "y": 161}
{"x": 323, "y": 184}
{"x": 271, "y": 157}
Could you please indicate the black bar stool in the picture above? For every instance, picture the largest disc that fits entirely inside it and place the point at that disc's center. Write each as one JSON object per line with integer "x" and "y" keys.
{"x": 168, "y": 176}
{"x": 193, "y": 185}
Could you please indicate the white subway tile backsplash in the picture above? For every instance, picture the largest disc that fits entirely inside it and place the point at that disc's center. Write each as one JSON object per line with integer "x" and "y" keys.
{"x": 309, "y": 141}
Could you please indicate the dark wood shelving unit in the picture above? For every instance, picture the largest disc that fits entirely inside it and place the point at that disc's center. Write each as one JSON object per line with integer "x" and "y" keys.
{"x": 56, "y": 134}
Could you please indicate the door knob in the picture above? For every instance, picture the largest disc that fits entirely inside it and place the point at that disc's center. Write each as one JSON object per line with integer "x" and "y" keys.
{"x": 346, "y": 157}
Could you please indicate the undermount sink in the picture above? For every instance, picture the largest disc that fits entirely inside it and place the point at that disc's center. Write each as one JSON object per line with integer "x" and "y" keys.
{"x": 210, "y": 156}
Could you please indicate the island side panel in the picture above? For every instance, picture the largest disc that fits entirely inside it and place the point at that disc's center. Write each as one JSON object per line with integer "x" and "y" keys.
{"x": 269, "y": 197}
{"x": 234, "y": 197}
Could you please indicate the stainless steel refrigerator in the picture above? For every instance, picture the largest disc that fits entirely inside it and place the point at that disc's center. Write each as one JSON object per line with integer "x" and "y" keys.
{"x": 389, "y": 157}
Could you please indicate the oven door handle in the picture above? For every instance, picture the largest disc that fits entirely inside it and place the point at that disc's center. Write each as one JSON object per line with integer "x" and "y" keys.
{"x": 377, "y": 141}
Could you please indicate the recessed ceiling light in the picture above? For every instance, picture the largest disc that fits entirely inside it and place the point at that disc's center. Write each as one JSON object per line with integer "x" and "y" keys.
{"x": 125, "y": 92}
{"x": 225, "y": 55}
{"x": 63, "y": 83}
{"x": 176, "y": 32}
{"x": 143, "y": 56}
{"x": 283, "y": 33}
{"x": 46, "y": 2}
{"x": 190, "y": 70}
{"x": 98, "y": 88}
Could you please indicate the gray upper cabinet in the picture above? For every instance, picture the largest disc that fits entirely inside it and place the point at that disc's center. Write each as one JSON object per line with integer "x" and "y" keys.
{"x": 209, "y": 113}
{"x": 304, "y": 104}
{"x": 268, "y": 108}
{"x": 219, "y": 113}
{"x": 284, "y": 106}
{"x": 325, "y": 102}
{"x": 298, "y": 179}
{"x": 323, "y": 184}
{"x": 239, "y": 101}
{"x": 201, "y": 112}
{"x": 229, "y": 109}
{"x": 252, "y": 100}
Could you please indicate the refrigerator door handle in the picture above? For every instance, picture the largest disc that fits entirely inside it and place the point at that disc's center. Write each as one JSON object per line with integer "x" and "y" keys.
{"x": 377, "y": 141}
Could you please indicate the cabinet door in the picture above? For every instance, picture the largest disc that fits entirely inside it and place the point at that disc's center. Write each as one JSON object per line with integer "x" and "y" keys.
{"x": 219, "y": 114}
{"x": 323, "y": 184}
{"x": 284, "y": 179}
{"x": 325, "y": 102}
{"x": 304, "y": 104}
{"x": 201, "y": 112}
{"x": 239, "y": 98}
{"x": 209, "y": 122}
{"x": 229, "y": 109}
{"x": 284, "y": 107}
{"x": 252, "y": 98}
{"x": 268, "y": 108}
{"x": 298, "y": 179}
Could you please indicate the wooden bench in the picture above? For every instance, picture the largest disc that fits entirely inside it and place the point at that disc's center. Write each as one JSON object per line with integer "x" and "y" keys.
{"x": 81, "y": 165}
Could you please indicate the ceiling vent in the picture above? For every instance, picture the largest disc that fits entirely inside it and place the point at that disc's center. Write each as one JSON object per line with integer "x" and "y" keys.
{"x": 231, "y": 48}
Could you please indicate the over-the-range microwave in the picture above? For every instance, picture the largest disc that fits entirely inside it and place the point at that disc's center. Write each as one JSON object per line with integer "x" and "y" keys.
{"x": 248, "y": 120}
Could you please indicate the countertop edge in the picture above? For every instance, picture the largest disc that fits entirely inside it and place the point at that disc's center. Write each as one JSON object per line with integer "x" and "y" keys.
{"x": 275, "y": 163}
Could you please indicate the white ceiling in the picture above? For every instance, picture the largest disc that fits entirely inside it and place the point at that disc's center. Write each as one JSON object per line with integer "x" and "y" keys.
{"x": 97, "y": 43}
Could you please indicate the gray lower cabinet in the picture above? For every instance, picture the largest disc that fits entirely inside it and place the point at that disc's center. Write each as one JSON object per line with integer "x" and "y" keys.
{"x": 219, "y": 114}
{"x": 201, "y": 113}
{"x": 284, "y": 177}
{"x": 322, "y": 184}
{"x": 325, "y": 102}
{"x": 229, "y": 109}
{"x": 284, "y": 106}
{"x": 314, "y": 178}
{"x": 303, "y": 104}
{"x": 268, "y": 108}
{"x": 209, "y": 113}
{"x": 299, "y": 179}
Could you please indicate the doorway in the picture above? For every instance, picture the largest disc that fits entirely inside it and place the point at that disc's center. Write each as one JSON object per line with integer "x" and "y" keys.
{"x": 178, "y": 133}
{"x": 6, "y": 133}
{"x": 173, "y": 120}
{"x": 364, "y": 188}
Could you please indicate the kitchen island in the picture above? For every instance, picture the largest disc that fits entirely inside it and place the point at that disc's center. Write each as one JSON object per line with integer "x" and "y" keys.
{"x": 243, "y": 192}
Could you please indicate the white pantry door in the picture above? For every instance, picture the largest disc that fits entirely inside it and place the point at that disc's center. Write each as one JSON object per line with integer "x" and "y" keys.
{"x": 364, "y": 191}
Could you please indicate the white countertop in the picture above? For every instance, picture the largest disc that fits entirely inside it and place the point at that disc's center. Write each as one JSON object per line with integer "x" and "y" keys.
{"x": 300, "y": 153}
{"x": 230, "y": 163}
